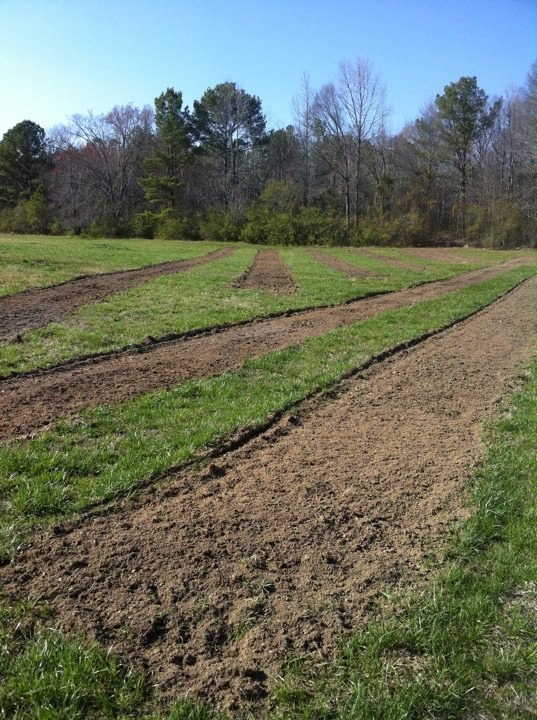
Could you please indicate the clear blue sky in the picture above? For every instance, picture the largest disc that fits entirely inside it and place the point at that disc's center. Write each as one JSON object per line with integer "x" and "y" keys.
{"x": 60, "y": 57}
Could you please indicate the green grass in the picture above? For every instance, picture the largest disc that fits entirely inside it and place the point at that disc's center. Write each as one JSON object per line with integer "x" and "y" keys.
{"x": 47, "y": 676}
{"x": 466, "y": 646}
{"x": 199, "y": 298}
{"x": 37, "y": 260}
{"x": 474, "y": 259}
{"x": 111, "y": 450}
{"x": 476, "y": 256}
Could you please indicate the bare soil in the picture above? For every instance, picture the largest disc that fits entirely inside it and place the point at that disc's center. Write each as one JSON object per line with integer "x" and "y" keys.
{"x": 210, "y": 581}
{"x": 31, "y": 402}
{"x": 341, "y": 265}
{"x": 268, "y": 272}
{"x": 35, "y": 308}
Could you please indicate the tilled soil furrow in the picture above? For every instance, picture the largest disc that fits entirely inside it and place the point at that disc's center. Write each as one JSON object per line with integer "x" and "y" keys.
{"x": 31, "y": 403}
{"x": 36, "y": 308}
{"x": 211, "y": 581}
{"x": 268, "y": 272}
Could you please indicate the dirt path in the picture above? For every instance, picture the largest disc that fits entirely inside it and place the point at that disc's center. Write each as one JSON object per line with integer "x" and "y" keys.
{"x": 268, "y": 272}
{"x": 35, "y": 308}
{"x": 210, "y": 581}
{"x": 341, "y": 265}
{"x": 29, "y": 403}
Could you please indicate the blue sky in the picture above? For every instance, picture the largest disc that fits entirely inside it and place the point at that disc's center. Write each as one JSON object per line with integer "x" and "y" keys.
{"x": 60, "y": 57}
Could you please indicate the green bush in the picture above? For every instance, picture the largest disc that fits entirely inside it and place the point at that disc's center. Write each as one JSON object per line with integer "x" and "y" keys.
{"x": 316, "y": 227}
{"x": 270, "y": 228}
{"x": 144, "y": 224}
{"x": 298, "y": 226}
{"x": 221, "y": 227}
{"x": 38, "y": 211}
{"x": 171, "y": 227}
{"x": 164, "y": 225}
{"x": 500, "y": 226}
{"x": 397, "y": 231}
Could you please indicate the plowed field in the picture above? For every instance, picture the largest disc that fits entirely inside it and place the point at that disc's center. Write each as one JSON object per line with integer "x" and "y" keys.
{"x": 211, "y": 580}
{"x": 35, "y": 308}
{"x": 31, "y": 402}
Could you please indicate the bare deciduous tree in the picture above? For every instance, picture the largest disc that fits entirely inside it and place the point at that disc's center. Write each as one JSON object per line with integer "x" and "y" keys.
{"x": 303, "y": 111}
{"x": 103, "y": 155}
{"x": 351, "y": 113}
{"x": 363, "y": 98}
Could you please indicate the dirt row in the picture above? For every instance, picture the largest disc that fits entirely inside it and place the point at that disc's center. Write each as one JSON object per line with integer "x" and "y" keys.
{"x": 30, "y": 403}
{"x": 212, "y": 580}
{"x": 35, "y": 308}
{"x": 268, "y": 272}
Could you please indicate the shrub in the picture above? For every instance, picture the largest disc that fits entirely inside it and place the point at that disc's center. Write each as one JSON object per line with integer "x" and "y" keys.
{"x": 399, "y": 231}
{"x": 221, "y": 227}
{"x": 171, "y": 227}
{"x": 33, "y": 215}
{"x": 144, "y": 224}
{"x": 500, "y": 226}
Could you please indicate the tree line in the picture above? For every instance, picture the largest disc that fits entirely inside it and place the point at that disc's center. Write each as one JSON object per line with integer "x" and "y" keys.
{"x": 464, "y": 171}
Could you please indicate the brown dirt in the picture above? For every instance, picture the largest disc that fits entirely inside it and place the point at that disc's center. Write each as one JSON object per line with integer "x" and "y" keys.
{"x": 210, "y": 581}
{"x": 32, "y": 402}
{"x": 268, "y": 272}
{"x": 35, "y": 308}
{"x": 341, "y": 265}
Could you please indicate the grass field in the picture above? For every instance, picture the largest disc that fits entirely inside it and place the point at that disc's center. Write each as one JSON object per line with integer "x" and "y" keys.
{"x": 35, "y": 261}
{"x": 466, "y": 646}
{"x": 202, "y": 298}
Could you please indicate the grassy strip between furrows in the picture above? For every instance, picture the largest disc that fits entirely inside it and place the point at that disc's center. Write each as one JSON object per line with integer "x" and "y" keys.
{"x": 199, "y": 298}
{"x": 464, "y": 647}
{"x": 35, "y": 260}
{"x": 378, "y": 261}
{"x": 28, "y": 261}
